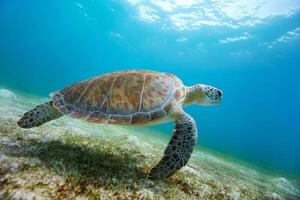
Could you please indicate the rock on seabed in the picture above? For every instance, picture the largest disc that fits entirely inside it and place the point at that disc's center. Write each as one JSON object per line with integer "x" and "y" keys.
{"x": 71, "y": 159}
{"x": 4, "y": 93}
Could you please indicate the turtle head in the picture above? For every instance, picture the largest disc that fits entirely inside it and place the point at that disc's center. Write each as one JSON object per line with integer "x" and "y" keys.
{"x": 204, "y": 95}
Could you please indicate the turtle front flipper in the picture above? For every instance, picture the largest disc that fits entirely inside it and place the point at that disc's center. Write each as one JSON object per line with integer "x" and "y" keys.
{"x": 179, "y": 149}
{"x": 39, "y": 115}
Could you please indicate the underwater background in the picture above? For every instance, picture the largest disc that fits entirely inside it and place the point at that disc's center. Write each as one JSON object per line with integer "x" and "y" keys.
{"x": 248, "y": 49}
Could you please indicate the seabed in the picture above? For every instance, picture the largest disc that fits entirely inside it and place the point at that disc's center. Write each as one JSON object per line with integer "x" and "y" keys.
{"x": 72, "y": 159}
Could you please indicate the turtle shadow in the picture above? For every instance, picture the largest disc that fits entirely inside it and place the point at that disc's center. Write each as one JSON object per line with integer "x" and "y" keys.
{"x": 84, "y": 164}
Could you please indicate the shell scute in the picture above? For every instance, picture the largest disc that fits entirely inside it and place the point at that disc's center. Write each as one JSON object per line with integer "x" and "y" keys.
{"x": 168, "y": 107}
{"x": 178, "y": 94}
{"x": 140, "y": 118}
{"x": 156, "y": 92}
{"x": 126, "y": 93}
{"x": 71, "y": 95}
{"x": 92, "y": 97}
{"x": 67, "y": 109}
{"x": 97, "y": 117}
{"x": 59, "y": 101}
{"x": 157, "y": 114}
{"x": 79, "y": 114}
{"x": 117, "y": 119}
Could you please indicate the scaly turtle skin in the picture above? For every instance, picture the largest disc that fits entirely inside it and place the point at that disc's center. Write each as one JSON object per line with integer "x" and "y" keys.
{"x": 133, "y": 97}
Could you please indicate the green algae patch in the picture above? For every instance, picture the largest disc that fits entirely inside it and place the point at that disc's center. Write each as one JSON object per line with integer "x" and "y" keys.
{"x": 71, "y": 159}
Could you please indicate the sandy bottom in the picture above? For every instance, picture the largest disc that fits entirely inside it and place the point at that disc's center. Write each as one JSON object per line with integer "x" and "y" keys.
{"x": 71, "y": 159}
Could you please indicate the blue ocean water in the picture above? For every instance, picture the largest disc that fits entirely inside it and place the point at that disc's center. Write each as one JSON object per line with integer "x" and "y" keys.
{"x": 249, "y": 49}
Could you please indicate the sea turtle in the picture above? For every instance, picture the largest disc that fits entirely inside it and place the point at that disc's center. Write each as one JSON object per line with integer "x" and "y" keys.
{"x": 133, "y": 97}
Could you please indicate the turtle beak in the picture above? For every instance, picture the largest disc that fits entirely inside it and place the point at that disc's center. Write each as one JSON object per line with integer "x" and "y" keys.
{"x": 220, "y": 94}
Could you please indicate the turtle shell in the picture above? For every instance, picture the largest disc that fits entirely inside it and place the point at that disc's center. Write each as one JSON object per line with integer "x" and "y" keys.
{"x": 126, "y": 97}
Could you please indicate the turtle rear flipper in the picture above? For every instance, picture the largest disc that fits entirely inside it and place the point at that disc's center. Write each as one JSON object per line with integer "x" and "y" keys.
{"x": 39, "y": 115}
{"x": 179, "y": 149}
